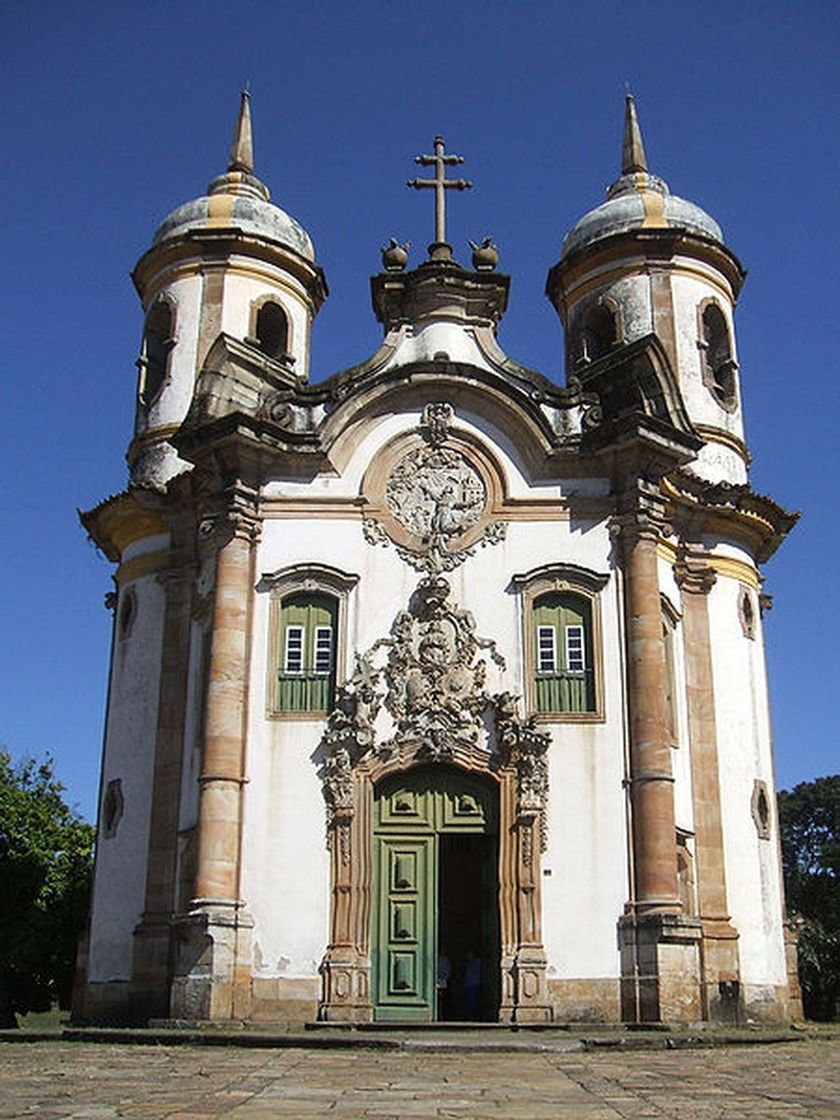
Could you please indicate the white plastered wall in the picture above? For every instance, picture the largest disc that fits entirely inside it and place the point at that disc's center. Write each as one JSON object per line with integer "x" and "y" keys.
{"x": 245, "y": 283}
{"x": 716, "y": 461}
{"x": 744, "y": 754}
{"x": 172, "y": 402}
{"x": 286, "y": 865}
{"x": 585, "y": 869}
{"x": 120, "y": 878}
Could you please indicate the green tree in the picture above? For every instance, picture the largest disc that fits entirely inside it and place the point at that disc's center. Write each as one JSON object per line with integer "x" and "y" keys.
{"x": 810, "y": 824}
{"x": 46, "y": 863}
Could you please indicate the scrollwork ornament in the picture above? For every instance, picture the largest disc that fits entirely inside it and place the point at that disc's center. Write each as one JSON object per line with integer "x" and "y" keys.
{"x": 374, "y": 533}
{"x": 527, "y": 747}
{"x": 429, "y": 676}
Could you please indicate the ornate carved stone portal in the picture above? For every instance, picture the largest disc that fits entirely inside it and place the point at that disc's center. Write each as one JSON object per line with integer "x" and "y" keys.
{"x": 419, "y": 696}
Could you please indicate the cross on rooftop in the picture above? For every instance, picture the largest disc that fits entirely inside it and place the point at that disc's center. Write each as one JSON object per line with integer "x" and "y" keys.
{"x": 440, "y": 184}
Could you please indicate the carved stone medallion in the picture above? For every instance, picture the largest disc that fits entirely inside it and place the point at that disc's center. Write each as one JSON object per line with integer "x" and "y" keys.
{"x": 435, "y": 493}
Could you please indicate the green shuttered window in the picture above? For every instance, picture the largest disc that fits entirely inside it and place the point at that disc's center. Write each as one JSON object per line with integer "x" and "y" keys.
{"x": 564, "y": 669}
{"x": 306, "y": 676}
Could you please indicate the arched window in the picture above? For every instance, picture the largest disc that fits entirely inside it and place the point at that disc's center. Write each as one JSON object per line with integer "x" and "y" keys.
{"x": 598, "y": 332}
{"x": 271, "y": 330}
{"x": 563, "y": 657}
{"x": 561, "y": 615}
{"x": 306, "y": 673}
{"x": 716, "y": 348}
{"x": 307, "y": 637}
{"x": 158, "y": 341}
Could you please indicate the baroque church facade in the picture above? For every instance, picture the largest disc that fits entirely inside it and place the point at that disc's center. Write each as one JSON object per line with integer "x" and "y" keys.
{"x": 437, "y": 689}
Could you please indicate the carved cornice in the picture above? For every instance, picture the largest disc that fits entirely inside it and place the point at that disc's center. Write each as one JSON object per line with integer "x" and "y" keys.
{"x": 439, "y": 290}
{"x": 641, "y": 514}
{"x": 120, "y": 521}
{"x": 733, "y": 510}
{"x": 307, "y": 576}
{"x": 236, "y": 516}
{"x": 692, "y": 571}
{"x": 561, "y": 577}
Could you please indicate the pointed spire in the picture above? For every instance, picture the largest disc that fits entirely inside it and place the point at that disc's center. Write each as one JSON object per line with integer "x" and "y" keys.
{"x": 242, "y": 148}
{"x": 633, "y": 150}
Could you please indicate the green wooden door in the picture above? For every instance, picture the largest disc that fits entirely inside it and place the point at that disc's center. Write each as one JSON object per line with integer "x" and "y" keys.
{"x": 404, "y": 962}
{"x": 411, "y": 812}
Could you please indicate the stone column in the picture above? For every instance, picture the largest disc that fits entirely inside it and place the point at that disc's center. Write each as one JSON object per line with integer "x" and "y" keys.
{"x": 660, "y": 966}
{"x": 213, "y": 974}
{"x": 652, "y": 792}
{"x": 719, "y": 946}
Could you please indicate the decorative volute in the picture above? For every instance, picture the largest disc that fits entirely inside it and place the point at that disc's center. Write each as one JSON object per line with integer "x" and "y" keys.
{"x": 227, "y": 263}
{"x": 646, "y": 262}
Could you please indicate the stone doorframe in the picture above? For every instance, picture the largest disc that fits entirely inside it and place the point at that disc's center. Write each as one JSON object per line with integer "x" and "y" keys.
{"x": 347, "y": 961}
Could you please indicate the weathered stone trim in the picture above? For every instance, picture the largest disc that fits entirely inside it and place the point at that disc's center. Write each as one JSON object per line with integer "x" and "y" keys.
{"x": 719, "y": 960}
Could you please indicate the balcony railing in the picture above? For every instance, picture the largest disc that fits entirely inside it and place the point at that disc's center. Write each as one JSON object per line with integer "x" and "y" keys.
{"x": 566, "y": 692}
{"x": 304, "y": 692}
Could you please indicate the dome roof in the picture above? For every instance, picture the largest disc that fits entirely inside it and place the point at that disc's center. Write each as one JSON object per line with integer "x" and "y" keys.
{"x": 238, "y": 200}
{"x": 638, "y": 200}
{"x": 245, "y": 210}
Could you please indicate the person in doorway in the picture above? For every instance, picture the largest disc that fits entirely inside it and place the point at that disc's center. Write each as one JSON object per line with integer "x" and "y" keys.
{"x": 472, "y": 985}
{"x": 444, "y": 974}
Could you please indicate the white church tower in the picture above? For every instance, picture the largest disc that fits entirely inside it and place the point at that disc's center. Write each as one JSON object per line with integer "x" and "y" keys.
{"x": 436, "y": 660}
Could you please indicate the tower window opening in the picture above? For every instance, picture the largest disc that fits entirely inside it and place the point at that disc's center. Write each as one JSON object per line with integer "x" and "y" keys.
{"x": 598, "y": 332}
{"x": 718, "y": 364}
{"x": 157, "y": 345}
{"x": 272, "y": 330}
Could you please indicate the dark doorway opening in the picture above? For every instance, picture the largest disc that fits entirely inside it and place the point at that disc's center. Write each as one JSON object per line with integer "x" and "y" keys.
{"x": 468, "y": 928}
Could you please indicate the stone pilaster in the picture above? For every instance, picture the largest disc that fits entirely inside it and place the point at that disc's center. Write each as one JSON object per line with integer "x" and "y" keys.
{"x": 152, "y": 953}
{"x": 529, "y": 966}
{"x": 346, "y": 965}
{"x": 720, "y": 970}
{"x": 659, "y": 954}
{"x": 213, "y": 973}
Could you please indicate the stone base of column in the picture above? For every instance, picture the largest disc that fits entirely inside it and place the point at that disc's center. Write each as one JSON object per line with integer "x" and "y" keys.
{"x": 507, "y": 1001}
{"x": 151, "y": 968}
{"x": 531, "y": 986}
{"x": 660, "y": 968}
{"x": 346, "y": 980}
{"x": 720, "y": 971}
{"x": 212, "y": 978}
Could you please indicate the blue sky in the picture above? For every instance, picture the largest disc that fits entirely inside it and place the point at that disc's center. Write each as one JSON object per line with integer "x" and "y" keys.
{"x": 115, "y": 113}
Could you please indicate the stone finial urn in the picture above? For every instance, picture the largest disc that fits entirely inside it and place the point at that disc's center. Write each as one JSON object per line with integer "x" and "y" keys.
{"x": 395, "y": 256}
{"x": 485, "y": 256}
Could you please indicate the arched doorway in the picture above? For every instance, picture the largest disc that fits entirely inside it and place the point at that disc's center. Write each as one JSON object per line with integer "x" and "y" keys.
{"x": 435, "y": 931}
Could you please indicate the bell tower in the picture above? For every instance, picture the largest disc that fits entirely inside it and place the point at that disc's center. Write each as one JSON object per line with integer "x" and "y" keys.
{"x": 231, "y": 263}
{"x": 647, "y": 262}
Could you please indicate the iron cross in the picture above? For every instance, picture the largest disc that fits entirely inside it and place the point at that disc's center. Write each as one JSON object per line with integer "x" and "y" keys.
{"x": 440, "y": 183}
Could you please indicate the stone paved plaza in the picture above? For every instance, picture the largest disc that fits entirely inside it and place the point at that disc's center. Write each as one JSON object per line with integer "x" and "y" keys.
{"x": 52, "y": 1080}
